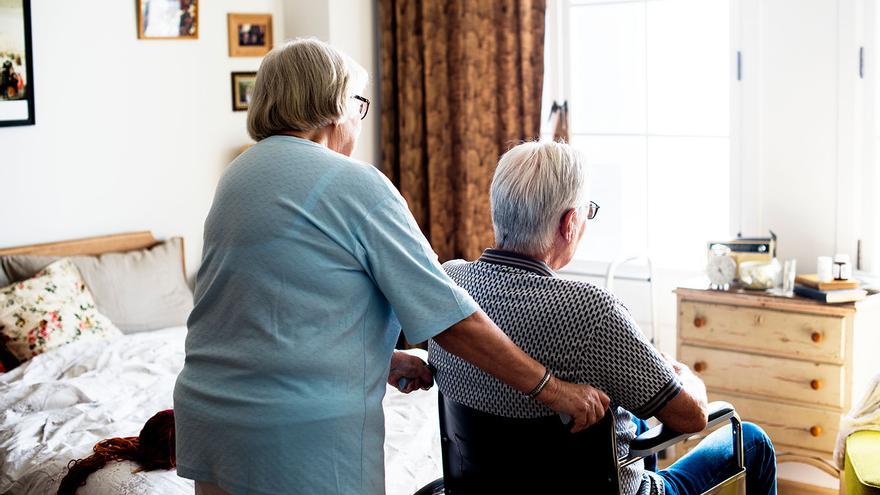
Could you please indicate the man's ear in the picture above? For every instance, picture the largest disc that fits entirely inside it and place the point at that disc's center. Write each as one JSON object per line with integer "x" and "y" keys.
{"x": 568, "y": 224}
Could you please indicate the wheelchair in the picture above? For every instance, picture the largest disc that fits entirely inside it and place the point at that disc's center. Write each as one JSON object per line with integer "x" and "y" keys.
{"x": 488, "y": 454}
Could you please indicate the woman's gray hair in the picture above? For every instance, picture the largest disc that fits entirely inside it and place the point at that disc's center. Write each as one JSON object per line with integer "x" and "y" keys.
{"x": 303, "y": 84}
{"x": 535, "y": 183}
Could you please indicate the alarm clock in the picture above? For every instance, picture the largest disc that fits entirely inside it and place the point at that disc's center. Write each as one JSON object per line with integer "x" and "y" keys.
{"x": 721, "y": 268}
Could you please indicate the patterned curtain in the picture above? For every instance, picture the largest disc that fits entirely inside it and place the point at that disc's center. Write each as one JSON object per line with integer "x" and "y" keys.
{"x": 461, "y": 84}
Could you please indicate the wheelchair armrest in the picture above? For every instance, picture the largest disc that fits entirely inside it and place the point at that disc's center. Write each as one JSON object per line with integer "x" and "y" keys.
{"x": 661, "y": 437}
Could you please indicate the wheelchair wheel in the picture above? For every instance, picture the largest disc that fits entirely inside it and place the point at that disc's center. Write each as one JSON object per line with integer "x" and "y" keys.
{"x": 433, "y": 488}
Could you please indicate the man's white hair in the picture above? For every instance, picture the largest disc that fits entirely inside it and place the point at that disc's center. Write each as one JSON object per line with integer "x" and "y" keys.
{"x": 535, "y": 183}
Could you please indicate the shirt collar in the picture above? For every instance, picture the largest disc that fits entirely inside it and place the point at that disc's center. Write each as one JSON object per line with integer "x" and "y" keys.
{"x": 516, "y": 260}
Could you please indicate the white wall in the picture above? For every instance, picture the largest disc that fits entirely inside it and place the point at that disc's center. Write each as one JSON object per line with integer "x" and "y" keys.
{"x": 130, "y": 134}
{"x": 800, "y": 101}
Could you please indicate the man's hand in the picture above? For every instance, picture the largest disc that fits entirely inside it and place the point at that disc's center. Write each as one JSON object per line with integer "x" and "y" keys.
{"x": 413, "y": 370}
{"x": 584, "y": 404}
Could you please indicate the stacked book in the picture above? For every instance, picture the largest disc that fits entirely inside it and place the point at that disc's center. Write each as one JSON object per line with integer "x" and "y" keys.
{"x": 835, "y": 291}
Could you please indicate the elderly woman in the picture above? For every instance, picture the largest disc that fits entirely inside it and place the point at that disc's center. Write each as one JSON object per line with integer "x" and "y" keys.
{"x": 312, "y": 264}
{"x": 540, "y": 207}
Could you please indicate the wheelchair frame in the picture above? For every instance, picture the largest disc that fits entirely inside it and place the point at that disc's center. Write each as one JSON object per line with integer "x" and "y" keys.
{"x": 648, "y": 443}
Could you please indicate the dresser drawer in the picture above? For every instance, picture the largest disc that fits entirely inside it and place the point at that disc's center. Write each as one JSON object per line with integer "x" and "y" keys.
{"x": 771, "y": 377}
{"x": 765, "y": 331}
{"x": 795, "y": 426}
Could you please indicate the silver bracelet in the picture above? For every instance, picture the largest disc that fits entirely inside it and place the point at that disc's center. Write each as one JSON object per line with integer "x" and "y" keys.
{"x": 544, "y": 381}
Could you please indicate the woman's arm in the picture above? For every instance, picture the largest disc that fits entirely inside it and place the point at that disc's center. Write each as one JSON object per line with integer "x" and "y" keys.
{"x": 477, "y": 340}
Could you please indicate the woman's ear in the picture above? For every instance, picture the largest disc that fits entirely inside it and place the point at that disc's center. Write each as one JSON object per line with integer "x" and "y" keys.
{"x": 568, "y": 225}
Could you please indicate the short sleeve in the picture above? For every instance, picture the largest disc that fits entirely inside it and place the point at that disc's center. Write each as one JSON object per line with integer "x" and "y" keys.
{"x": 628, "y": 368}
{"x": 402, "y": 264}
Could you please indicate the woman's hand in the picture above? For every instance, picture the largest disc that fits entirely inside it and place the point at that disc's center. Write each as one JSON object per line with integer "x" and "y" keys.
{"x": 584, "y": 404}
{"x": 409, "y": 371}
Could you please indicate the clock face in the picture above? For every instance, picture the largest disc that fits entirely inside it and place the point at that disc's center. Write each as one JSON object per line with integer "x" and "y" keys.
{"x": 721, "y": 270}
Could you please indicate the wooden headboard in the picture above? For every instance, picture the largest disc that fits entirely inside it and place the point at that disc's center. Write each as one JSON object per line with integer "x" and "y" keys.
{"x": 90, "y": 246}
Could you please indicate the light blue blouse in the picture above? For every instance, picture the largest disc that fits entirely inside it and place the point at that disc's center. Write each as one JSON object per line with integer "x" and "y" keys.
{"x": 312, "y": 263}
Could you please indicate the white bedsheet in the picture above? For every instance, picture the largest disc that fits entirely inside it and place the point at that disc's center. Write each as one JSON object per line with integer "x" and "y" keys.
{"x": 55, "y": 407}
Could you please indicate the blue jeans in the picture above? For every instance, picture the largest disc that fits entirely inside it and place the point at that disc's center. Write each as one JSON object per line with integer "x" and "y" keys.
{"x": 711, "y": 462}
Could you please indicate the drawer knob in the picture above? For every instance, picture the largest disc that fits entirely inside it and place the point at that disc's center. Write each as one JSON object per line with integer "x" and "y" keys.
{"x": 699, "y": 366}
{"x": 699, "y": 322}
{"x": 815, "y": 384}
{"x": 816, "y": 337}
{"x": 815, "y": 430}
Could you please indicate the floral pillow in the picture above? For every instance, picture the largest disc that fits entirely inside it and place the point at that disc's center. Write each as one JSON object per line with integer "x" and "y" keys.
{"x": 51, "y": 309}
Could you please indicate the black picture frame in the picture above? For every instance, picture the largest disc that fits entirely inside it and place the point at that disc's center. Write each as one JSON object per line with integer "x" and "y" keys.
{"x": 239, "y": 100}
{"x": 29, "y": 73}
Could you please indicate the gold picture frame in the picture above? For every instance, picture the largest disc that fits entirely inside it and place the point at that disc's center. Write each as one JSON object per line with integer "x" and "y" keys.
{"x": 250, "y": 35}
{"x": 242, "y": 87}
{"x": 168, "y": 19}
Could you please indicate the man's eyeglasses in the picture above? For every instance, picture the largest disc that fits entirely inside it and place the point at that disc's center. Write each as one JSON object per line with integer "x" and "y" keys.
{"x": 363, "y": 106}
{"x": 593, "y": 211}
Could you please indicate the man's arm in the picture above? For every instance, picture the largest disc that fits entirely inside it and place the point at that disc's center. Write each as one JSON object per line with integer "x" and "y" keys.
{"x": 686, "y": 412}
{"x": 477, "y": 340}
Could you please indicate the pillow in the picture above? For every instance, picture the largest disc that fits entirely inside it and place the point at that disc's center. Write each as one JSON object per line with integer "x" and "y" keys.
{"x": 49, "y": 310}
{"x": 138, "y": 290}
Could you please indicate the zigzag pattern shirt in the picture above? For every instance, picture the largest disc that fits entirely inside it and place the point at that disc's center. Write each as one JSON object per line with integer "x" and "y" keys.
{"x": 580, "y": 332}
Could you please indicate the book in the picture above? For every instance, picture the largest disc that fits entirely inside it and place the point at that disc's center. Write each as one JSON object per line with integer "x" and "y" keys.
{"x": 812, "y": 280}
{"x": 831, "y": 296}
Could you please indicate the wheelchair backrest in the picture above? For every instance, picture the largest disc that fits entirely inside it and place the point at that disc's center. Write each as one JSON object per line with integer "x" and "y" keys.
{"x": 484, "y": 453}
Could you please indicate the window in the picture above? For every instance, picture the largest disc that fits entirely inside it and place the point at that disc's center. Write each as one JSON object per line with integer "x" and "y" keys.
{"x": 648, "y": 84}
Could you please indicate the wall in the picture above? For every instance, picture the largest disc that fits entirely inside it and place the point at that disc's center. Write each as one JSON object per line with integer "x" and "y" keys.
{"x": 800, "y": 101}
{"x": 130, "y": 134}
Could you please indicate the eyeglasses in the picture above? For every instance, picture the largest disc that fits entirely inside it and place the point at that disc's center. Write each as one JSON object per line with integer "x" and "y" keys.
{"x": 593, "y": 211}
{"x": 363, "y": 106}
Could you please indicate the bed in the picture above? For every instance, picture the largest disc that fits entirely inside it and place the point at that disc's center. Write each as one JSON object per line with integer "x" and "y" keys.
{"x": 57, "y": 405}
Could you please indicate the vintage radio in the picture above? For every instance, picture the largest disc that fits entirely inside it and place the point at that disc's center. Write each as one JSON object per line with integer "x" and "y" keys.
{"x": 748, "y": 249}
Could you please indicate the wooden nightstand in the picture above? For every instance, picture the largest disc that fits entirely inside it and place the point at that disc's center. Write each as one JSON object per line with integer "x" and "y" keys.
{"x": 790, "y": 365}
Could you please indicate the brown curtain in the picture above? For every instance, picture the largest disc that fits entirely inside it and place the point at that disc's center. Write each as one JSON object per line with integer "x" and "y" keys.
{"x": 461, "y": 84}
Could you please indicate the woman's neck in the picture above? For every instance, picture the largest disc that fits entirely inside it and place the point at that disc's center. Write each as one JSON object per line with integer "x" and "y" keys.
{"x": 319, "y": 135}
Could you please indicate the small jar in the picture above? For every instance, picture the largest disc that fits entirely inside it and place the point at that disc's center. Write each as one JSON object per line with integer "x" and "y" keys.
{"x": 842, "y": 268}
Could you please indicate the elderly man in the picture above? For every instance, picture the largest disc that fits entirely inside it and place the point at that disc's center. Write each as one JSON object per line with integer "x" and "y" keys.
{"x": 582, "y": 333}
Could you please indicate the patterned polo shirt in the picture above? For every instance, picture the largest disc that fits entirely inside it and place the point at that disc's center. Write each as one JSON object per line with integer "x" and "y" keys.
{"x": 582, "y": 333}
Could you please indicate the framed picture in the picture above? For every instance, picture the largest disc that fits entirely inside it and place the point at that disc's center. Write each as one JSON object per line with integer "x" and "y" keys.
{"x": 168, "y": 19}
{"x": 16, "y": 64}
{"x": 250, "y": 35}
{"x": 242, "y": 90}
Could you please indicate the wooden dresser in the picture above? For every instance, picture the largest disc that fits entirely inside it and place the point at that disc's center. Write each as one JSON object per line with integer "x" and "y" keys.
{"x": 791, "y": 365}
